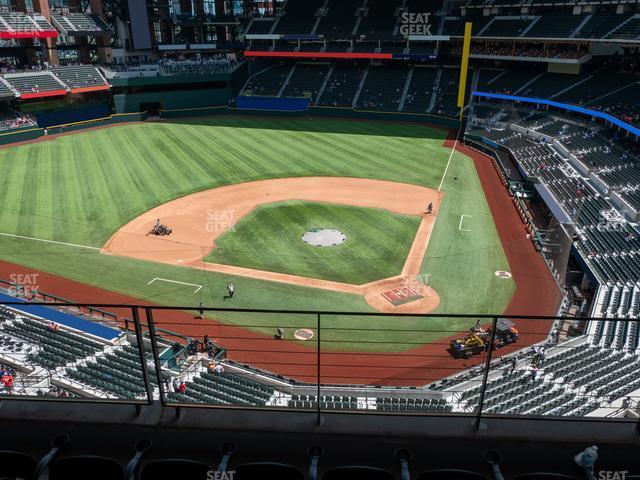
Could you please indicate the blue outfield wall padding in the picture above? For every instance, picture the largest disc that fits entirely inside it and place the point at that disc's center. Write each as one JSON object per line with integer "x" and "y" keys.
{"x": 566, "y": 106}
{"x": 72, "y": 115}
{"x": 62, "y": 318}
{"x": 273, "y": 103}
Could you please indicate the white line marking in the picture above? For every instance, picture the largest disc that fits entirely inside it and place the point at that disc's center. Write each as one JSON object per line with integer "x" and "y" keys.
{"x": 175, "y": 281}
{"x": 455, "y": 144}
{"x": 460, "y": 226}
{"x": 49, "y": 241}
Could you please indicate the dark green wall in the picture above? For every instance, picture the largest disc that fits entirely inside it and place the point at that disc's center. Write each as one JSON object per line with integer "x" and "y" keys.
{"x": 172, "y": 100}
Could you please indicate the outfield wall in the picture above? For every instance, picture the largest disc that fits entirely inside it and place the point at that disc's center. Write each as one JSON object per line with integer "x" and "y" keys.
{"x": 72, "y": 114}
{"x": 444, "y": 122}
{"x": 22, "y": 135}
{"x": 34, "y": 133}
{"x": 99, "y": 122}
{"x": 280, "y": 104}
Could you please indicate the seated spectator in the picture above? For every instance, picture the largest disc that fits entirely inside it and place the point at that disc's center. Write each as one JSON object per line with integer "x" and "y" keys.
{"x": 211, "y": 367}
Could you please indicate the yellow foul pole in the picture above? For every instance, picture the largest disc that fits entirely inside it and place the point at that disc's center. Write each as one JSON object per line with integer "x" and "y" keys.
{"x": 466, "y": 48}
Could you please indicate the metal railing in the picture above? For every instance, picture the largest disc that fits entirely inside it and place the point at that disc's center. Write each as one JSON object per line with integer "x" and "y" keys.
{"x": 480, "y": 366}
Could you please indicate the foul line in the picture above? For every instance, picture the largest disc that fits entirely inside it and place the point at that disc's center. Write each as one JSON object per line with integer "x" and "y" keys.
{"x": 49, "y": 241}
{"x": 453, "y": 150}
{"x": 175, "y": 281}
{"x": 460, "y": 226}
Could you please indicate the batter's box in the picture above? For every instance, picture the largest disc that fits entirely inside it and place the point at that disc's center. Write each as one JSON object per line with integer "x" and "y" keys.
{"x": 402, "y": 295}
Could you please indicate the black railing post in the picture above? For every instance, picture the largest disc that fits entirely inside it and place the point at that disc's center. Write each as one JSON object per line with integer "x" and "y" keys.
{"x": 485, "y": 377}
{"x": 154, "y": 352}
{"x": 318, "y": 357}
{"x": 143, "y": 362}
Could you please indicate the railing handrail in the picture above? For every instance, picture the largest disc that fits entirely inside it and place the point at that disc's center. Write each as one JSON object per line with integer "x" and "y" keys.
{"x": 313, "y": 312}
{"x": 153, "y": 377}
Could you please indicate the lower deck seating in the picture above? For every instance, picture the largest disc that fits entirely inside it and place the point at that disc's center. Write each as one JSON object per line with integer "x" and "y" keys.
{"x": 10, "y": 120}
{"x": 29, "y": 83}
{"x": 382, "y": 89}
{"x": 412, "y": 405}
{"x": 420, "y": 92}
{"x": 307, "y": 80}
{"x": 446, "y": 97}
{"x": 342, "y": 86}
{"x": 269, "y": 82}
{"x": 55, "y": 347}
{"x": 327, "y": 402}
{"x": 79, "y": 76}
{"x": 227, "y": 388}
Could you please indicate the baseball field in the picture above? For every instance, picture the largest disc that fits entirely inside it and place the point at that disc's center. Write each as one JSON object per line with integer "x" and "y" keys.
{"x": 80, "y": 206}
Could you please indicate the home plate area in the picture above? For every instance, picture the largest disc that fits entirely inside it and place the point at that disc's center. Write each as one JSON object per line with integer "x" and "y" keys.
{"x": 402, "y": 295}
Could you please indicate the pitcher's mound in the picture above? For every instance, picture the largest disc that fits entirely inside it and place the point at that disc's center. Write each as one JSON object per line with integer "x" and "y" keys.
{"x": 324, "y": 237}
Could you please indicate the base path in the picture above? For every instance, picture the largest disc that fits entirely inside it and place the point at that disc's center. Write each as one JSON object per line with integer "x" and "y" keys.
{"x": 197, "y": 220}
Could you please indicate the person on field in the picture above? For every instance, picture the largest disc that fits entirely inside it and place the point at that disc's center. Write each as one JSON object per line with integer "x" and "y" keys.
{"x": 230, "y": 290}
{"x": 201, "y": 311}
{"x": 429, "y": 208}
{"x": 279, "y": 334}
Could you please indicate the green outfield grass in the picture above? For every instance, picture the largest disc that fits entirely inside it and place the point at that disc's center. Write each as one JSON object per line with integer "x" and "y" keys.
{"x": 81, "y": 188}
{"x": 270, "y": 238}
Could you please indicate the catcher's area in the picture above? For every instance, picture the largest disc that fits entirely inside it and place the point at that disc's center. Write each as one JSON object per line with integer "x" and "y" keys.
{"x": 198, "y": 219}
